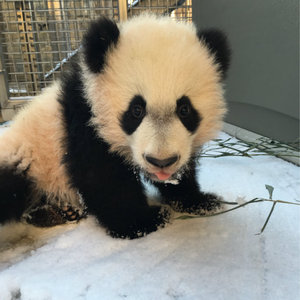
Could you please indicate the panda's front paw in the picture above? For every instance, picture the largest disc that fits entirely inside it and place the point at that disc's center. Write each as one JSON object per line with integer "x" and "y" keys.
{"x": 200, "y": 204}
{"x": 155, "y": 217}
{"x": 210, "y": 203}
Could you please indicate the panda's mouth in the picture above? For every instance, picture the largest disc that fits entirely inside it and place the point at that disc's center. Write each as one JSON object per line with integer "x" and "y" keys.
{"x": 163, "y": 176}
{"x": 160, "y": 176}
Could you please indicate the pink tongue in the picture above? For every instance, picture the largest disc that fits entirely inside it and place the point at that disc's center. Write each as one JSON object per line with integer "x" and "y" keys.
{"x": 162, "y": 175}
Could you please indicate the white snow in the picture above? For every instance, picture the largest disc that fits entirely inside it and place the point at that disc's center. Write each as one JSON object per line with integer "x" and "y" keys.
{"x": 206, "y": 258}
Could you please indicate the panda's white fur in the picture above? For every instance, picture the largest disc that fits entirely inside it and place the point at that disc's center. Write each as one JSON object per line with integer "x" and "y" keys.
{"x": 159, "y": 60}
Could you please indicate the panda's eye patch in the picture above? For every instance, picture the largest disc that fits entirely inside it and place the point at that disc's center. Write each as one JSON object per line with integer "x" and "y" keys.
{"x": 187, "y": 114}
{"x": 133, "y": 116}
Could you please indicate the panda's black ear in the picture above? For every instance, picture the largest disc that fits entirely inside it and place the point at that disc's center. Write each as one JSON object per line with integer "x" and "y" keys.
{"x": 217, "y": 43}
{"x": 101, "y": 35}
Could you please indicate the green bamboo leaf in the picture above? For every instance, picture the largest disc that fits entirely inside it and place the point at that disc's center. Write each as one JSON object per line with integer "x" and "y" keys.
{"x": 270, "y": 190}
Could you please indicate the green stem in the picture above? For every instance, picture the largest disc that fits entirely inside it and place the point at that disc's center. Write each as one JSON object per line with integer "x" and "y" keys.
{"x": 268, "y": 218}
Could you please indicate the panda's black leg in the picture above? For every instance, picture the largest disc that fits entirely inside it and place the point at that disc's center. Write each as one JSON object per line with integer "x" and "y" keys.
{"x": 14, "y": 191}
{"x": 186, "y": 195}
{"x": 123, "y": 209}
{"x": 134, "y": 222}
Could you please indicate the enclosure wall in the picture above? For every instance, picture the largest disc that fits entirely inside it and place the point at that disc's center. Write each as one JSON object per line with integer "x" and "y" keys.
{"x": 263, "y": 83}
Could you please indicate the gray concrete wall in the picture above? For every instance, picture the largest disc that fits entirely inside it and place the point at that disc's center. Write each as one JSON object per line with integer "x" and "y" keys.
{"x": 263, "y": 82}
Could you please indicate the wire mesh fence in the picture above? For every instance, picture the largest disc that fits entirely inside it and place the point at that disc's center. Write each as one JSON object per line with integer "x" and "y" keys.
{"x": 181, "y": 9}
{"x": 38, "y": 37}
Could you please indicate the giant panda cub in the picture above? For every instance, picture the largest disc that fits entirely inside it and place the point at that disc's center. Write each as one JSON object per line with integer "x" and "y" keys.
{"x": 141, "y": 98}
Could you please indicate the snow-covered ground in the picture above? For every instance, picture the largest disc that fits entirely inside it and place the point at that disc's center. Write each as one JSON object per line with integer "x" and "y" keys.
{"x": 214, "y": 258}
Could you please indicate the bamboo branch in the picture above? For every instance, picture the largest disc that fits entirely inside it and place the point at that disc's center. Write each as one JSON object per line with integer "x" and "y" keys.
{"x": 255, "y": 200}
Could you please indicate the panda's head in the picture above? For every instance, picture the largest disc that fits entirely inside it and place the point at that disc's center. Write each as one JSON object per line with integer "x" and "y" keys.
{"x": 155, "y": 90}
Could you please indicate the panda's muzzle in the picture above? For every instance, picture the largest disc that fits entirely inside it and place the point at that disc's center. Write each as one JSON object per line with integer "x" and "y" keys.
{"x": 161, "y": 163}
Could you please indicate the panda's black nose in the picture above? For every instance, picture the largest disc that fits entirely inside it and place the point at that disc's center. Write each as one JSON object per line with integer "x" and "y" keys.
{"x": 161, "y": 163}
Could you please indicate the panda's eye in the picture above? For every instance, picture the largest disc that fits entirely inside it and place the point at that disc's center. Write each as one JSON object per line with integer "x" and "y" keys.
{"x": 184, "y": 110}
{"x": 137, "y": 111}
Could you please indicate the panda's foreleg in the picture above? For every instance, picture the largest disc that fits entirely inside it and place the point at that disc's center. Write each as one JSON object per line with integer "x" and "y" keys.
{"x": 133, "y": 222}
{"x": 122, "y": 208}
{"x": 14, "y": 191}
{"x": 186, "y": 195}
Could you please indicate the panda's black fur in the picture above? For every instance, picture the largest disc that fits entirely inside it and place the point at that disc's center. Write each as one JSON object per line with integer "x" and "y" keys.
{"x": 115, "y": 196}
{"x": 14, "y": 190}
